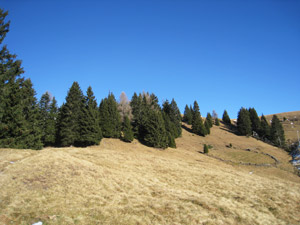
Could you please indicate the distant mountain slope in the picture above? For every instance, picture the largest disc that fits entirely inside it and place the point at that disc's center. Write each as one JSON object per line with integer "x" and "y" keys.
{"x": 129, "y": 183}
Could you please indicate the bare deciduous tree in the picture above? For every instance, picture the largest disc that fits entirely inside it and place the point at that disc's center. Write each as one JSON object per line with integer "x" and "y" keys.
{"x": 124, "y": 107}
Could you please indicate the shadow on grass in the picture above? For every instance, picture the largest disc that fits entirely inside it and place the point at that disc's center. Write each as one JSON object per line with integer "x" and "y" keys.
{"x": 186, "y": 128}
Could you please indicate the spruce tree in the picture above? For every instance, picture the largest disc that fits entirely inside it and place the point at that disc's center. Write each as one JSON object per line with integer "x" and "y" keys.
{"x": 209, "y": 120}
{"x": 207, "y": 126}
{"x": 136, "y": 107}
{"x": 148, "y": 121}
{"x": 48, "y": 116}
{"x": 188, "y": 115}
{"x": 277, "y": 132}
{"x": 205, "y": 149}
{"x": 226, "y": 118}
{"x": 155, "y": 134}
{"x": 69, "y": 127}
{"x": 31, "y": 132}
{"x": 127, "y": 130}
{"x": 172, "y": 112}
{"x": 51, "y": 131}
{"x": 11, "y": 108}
{"x": 255, "y": 122}
{"x": 244, "y": 122}
{"x": 264, "y": 128}
{"x": 197, "y": 123}
{"x": 90, "y": 131}
{"x": 110, "y": 121}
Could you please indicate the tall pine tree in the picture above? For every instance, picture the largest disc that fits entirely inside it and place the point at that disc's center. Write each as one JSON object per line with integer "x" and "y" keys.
{"x": 110, "y": 120}
{"x": 277, "y": 132}
{"x": 48, "y": 116}
{"x": 90, "y": 131}
{"x": 70, "y": 112}
{"x": 255, "y": 122}
{"x": 264, "y": 128}
{"x": 209, "y": 120}
{"x": 18, "y": 107}
{"x": 197, "y": 123}
{"x": 226, "y": 118}
{"x": 188, "y": 115}
{"x": 244, "y": 122}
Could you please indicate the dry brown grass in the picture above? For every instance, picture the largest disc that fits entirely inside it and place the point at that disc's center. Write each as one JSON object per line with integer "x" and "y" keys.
{"x": 121, "y": 183}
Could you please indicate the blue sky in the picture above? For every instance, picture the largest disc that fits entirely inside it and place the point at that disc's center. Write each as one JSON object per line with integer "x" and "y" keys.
{"x": 224, "y": 54}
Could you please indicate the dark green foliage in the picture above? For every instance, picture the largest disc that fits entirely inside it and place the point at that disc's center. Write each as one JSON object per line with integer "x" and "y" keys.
{"x": 19, "y": 127}
{"x": 264, "y": 128}
{"x": 90, "y": 131}
{"x": 205, "y": 149}
{"x": 207, "y": 126}
{"x": 172, "y": 112}
{"x": 110, "y": 120}
{"x": 48, "y": 118}
{"x": 277, "y": 132}
{"x": 70, "y": 112}
{"x": 197, "y": 123}
{"x": 127, "y": 130}
{"x": 255, "y": 122}
{"x": 217, "y": 122}
{"x": 244, "y": 122}
{"x": 148, "y": 122}
{"x": 31, "y": 135}
{"x": 226, "y": 118}
{"x": 209, "y": 120}
{"x": 170, "y": 129}
{"x": 154, "y": 132}
{"x": 136, "y": 106}
{"x": 188, "y": 115}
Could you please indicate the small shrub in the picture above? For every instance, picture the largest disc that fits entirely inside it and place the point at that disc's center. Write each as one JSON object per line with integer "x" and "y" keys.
{"x": 205, "y": 149}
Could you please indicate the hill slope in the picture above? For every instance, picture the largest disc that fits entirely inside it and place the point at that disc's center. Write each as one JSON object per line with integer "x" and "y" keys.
{"x": 291, "y": 124}
{"x": 121, "y": 183}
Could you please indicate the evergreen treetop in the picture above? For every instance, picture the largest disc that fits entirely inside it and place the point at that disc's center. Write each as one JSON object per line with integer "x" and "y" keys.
{"x": 226, "y": 118}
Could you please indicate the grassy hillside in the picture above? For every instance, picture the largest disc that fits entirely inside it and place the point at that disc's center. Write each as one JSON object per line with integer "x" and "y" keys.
{"x": 290, "y": 125}
{"x": 121, "y": 183}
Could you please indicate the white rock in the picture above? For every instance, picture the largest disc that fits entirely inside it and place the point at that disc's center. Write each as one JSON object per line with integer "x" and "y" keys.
{"x": 38, "y": 223}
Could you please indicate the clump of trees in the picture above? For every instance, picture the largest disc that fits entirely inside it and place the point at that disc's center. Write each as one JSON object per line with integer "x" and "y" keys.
{"x": 248, "y": 123}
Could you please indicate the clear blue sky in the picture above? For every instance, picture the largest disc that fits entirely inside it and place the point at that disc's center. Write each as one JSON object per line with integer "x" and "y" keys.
{"x": 224, "y": 54}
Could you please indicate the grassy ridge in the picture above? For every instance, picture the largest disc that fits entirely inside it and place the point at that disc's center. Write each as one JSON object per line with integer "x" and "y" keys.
{"x": 121, "y": 183}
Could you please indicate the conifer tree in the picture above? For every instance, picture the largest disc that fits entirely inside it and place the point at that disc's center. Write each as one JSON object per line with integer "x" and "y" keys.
{"x": 69, "y": 127}
{"x": 197, "y": 123}
{"x": 50, "y": 138}
{"x": 136, "y": 107}
{"x": 148, "y": 121}
{"x": 90, "y": 131}
{"x": 244, "y": 122}
{"x": 48, "y": 115}
{"x": 31, "y": 133}
{"x": 255, "y": 122}
{"x": 127, "y": 130}
{"x": 226, "y": 118}
{"x": 277, "y": 132}
{"x": 172, "y": 112}
{"x": 110, "y": 121}
{"x": 11, "y": 118}
{"x": 264, "y": 128}
{"x": 188, "y": 115}
{"x": 209, "y": 120}
{"x": 170, "y": 128}
{"x": 155, "y": 134}
{"x": 207, "y": 126}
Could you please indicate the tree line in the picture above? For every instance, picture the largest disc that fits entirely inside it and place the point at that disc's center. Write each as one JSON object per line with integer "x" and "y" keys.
{"x": 79, "y": 121}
